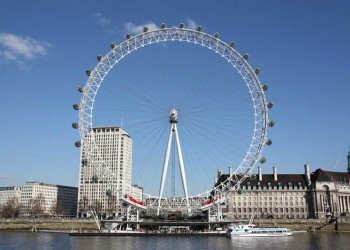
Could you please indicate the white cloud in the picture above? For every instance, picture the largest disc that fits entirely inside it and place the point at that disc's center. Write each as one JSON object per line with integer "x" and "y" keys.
{"x": 104, "y": 22}
{"x": 136, "y": 29}
{"x": 191, "y": 24}
{"x": 17, "y": 48}
{"x": 5, "y": 177}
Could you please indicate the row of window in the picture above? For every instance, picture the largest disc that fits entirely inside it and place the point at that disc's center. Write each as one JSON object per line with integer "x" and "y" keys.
{"x": 266, "y": 203}
{"x": 267, "y": 210}
{"x": 270, "y": 198}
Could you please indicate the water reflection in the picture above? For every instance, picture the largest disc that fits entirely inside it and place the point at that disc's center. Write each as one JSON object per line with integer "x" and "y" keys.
{"x": 261, "y": 243}
{"x": 299, "y": 241}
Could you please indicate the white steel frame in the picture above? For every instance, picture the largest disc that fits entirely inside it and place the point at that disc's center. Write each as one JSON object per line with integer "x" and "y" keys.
{"x": 173, "y": 130}
{"x": 196, "y": 37}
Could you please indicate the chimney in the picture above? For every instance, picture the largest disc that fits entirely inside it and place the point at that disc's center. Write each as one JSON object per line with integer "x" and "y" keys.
{"x": 274, "y": 173}
{"x": 230, "y": 171}
{"x": 260, "y": 174}
{"x": 219, "y": 172}
{"x": 307, "y": 174}
{"x": 217, "y": 178}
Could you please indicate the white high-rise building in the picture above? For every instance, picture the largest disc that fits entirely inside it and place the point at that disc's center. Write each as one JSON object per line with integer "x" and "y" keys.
{"x": 115, "y": 150}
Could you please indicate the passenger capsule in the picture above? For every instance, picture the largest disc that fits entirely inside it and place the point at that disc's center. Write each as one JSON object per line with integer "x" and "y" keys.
{"x": 245, "y": 56}
{"x": 199, "y": 29}
{"x": 84, "y": 161}
{"x": 265, "y": 87}
{"x": 113, "y": 45}
{"x": 253, "y": 177}
{"x": 257, "y": 71}
{"x": 99, "y": 58}
{"x": 109, "y": 192}
{"x": 232, "y": 44}
{"x": 81, "y": 89}
{"x": 271, "y": 124}
{"x": 163, "y": 26}
{"x": 181, "y": 26}
{"x": 217, "y": 35}
{"x": 75, "y": 125}
{"x": 145, "y": 29}
{"x": 239, "y": 191}
{"x": 128, "y": 36}
{"x": 262, "y": 160}
{"x": 269, "y": 105}
{"x": 95, "y": 180}
{"x": 76, "y": 106}
{"x": 88, "y": 72}
{"x": 269, "y": 142}
{"x": 77, "y": 144}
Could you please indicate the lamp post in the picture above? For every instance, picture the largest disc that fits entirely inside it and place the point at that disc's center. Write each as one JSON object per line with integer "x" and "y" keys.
{"x": 349, "y": 161}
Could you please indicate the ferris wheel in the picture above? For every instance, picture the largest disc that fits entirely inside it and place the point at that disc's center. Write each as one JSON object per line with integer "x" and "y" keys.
{"x": 258, "y": 104}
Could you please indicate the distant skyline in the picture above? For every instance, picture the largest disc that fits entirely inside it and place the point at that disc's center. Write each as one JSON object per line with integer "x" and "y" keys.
{"x": 301, "y": 47}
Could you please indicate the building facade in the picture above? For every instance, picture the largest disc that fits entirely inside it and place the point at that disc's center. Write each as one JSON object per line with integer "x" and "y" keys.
{"x": 51, "y": 199}
{"x": 320, "y": 194}
{"x": 114, "y": 147}
{"x": 7, "y": 193}
{"x": 36, "y": 190}
{"x": 329, "y": 194}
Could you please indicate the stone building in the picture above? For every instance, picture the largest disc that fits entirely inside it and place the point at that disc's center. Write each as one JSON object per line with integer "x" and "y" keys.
{"x": 329, "y": 194}
{"x": 319, "y": 194}
{"x": 280, "y": 196}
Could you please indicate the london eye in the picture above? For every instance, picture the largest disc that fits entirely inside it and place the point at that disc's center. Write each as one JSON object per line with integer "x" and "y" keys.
{"x": 181, "y": 111}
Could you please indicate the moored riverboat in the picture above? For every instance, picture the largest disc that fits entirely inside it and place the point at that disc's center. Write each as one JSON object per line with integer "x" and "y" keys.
{"x": 251, "y": 230}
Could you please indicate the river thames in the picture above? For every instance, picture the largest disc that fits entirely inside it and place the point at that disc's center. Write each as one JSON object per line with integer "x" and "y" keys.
{"x": 41, "y": 240}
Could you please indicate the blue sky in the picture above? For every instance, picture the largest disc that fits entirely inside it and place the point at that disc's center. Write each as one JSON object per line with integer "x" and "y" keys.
{"x": 301, "y": 47}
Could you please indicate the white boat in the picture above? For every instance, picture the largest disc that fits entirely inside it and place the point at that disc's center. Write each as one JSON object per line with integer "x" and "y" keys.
{"x": 250, "y": 230}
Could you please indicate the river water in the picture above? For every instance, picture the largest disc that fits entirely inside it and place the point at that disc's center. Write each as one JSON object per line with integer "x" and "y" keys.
{"x": 299, "y": 241}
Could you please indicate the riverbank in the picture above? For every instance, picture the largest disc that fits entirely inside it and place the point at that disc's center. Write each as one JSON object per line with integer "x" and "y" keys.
{"x": 87, "y": 225}
{"x": 47, "y": 224}
{"x": 340, "y": 225}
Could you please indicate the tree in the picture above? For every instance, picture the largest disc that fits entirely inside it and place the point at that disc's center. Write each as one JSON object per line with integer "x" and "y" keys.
{"x": 111, "y": 204}
{"x": 11, "y": 208}
{"x": 57, "y": 207}
{"x": 36, "y": 205}
{"x": 83, "y": 205}
{"x": 96, "y": 206}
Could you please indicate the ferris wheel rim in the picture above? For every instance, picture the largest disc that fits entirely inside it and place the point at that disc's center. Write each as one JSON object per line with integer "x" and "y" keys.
{"x": 196, "y": 37}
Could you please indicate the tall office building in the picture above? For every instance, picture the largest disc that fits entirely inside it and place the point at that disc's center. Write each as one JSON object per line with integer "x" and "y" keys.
{"x": 113, "y": 148}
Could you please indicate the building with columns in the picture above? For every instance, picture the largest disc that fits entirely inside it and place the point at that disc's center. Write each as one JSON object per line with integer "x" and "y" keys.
{"x": 279, "y": 196}
{"x": 329, "y": 193}
{"x": 317, "y": 194}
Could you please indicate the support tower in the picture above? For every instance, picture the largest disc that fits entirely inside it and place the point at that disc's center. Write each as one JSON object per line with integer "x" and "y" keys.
{"x": 173, "y": 130}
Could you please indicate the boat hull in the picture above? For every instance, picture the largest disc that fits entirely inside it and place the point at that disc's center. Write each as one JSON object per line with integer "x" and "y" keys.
{"x": 250, "y": 230}
{"x": 260, "y": 235}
